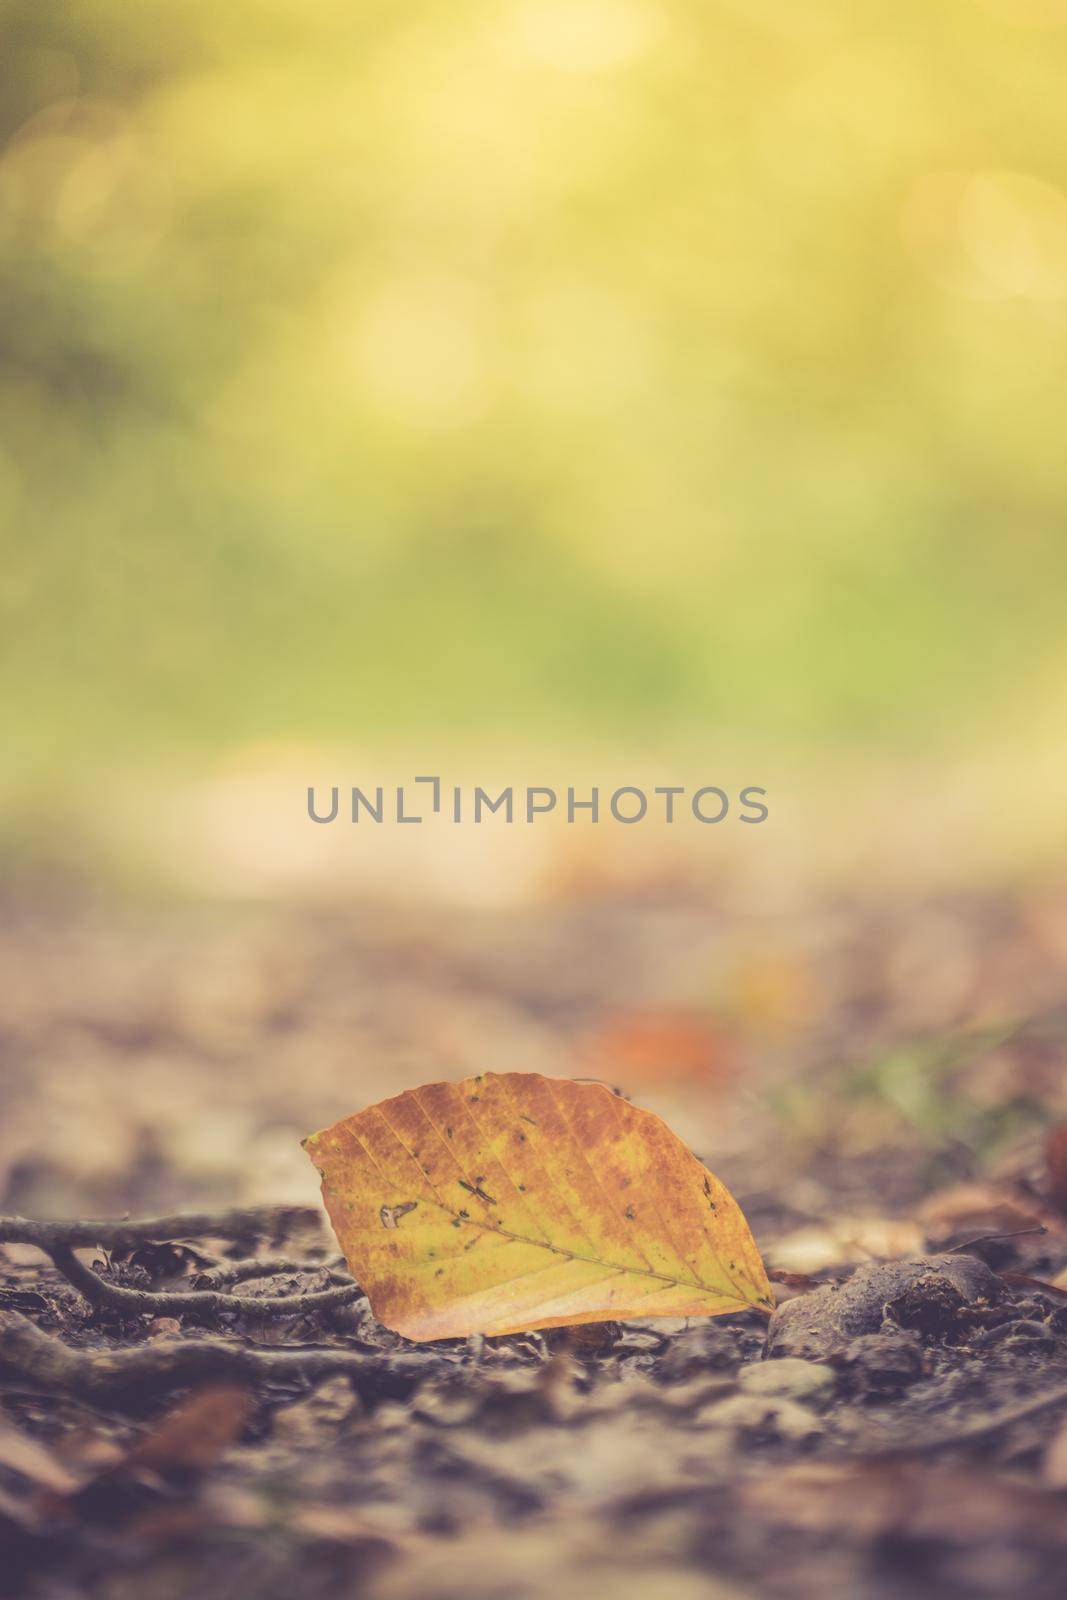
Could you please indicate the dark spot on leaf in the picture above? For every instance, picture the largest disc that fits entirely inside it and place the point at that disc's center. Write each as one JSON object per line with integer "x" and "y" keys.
{"x": 476, "y": 1188}
{"x": 389, "y": 1216}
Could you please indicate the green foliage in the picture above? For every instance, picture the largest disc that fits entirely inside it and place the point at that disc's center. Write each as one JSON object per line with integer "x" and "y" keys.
{"x": 565, "y": 365}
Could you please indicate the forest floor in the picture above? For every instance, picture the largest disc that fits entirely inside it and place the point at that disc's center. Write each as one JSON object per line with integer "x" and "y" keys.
{"x": 878, "y": 1084}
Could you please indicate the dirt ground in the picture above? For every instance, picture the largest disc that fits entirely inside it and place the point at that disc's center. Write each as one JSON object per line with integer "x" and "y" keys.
{"x": 876, "y": 1083}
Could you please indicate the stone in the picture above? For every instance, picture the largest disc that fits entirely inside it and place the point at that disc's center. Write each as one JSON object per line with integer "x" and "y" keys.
{"x": 882, "y": 1363}
{"x": 797, "y": 1379}
{"x": 927, "y": 1293}
{"x": 760, "y": 1417}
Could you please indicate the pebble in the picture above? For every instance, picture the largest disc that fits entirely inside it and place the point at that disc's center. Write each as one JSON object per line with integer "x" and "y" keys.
{"x": 695, "y": 1350}
{"x": 762, "y": 1417}
{"x": 825, "y": 1321}
{"x": 790, "y": 1376}
{"x": 164, "y": 1328}
{"x": 882, "y": 1363}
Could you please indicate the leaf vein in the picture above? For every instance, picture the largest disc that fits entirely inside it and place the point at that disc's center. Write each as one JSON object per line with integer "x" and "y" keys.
{"x": 574, "y": 1255}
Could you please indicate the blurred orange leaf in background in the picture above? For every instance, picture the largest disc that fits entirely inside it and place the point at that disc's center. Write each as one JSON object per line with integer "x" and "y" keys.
{"x": 661, "y": 1047}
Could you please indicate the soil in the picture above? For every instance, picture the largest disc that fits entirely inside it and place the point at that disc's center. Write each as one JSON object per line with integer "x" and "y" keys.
{"x": 875, "y": 1087}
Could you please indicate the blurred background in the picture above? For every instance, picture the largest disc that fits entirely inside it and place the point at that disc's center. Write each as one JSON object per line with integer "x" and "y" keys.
{"x": 545, "y": 391}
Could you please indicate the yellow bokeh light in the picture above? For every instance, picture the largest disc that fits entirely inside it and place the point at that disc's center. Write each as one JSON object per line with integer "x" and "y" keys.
{"x": 990, "y": 235}
{"x": 585, "y": 35}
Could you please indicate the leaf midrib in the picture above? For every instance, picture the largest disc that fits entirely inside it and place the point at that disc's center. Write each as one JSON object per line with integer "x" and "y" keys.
{"x": 575, "y": 1255}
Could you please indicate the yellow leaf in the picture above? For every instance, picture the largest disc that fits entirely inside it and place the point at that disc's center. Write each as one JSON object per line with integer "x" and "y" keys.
{"x": 512, "y": 1201}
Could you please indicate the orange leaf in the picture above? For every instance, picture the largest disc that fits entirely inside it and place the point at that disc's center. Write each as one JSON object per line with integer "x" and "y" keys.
{"x": 512, "y": 1201}
{"x": 661, "y": 1047}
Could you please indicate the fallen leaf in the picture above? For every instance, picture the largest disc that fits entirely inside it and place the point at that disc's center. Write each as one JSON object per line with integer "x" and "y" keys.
{"x": 970, "y": 1211}
{"x": 513, "y": 1201}
{"x": 661, "y": 1047}
{"x": 1022, "y": 1280}
{"x": 1056, "y": 1167}
{"x": 135, "y": 1487}
{"x": 195, "y": 1433}
{"x": 585, "y": 1339}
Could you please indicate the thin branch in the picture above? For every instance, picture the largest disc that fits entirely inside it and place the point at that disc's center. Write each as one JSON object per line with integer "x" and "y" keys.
{"x": 994, "y": 1238}
{"x": 60, "y": 1239}
{"x": 120, "y": 1233}
{"x": 230, "y": 1272}
{"x": 137, "y": 1377}
{"x": 200, "y": 1302}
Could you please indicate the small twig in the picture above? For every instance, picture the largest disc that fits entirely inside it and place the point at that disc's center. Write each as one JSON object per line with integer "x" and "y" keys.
{"x": 229, "y": 1272}
{"x": 1020, "y": 1280}
{"x": 136, "y": 1377}
{"x": 792, "y": 1280}
{"x": 994, "y": 1238}
{"x": 118, "y": 1233}
{"x": 59, "y": 1240}
{"x": 207, "y": 1302}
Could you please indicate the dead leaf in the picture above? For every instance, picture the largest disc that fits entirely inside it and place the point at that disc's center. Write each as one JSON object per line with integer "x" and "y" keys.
{"x": 585, "y": 1339}
{"x": 171, "y": 1455}
{"x": 661, "y": 1047}
{"x": 1022, "y": 1280}
{"x": 193, "y": 1435}
{"x": 517, "y": 1201}
{"x": 1056, "y": 1167}
{"x": 970, "y": 1211}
